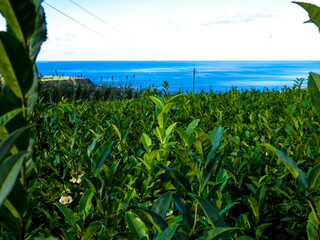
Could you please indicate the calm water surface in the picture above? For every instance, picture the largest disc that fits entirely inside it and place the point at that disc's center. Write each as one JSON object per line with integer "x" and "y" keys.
{"x": 215, "y": 75}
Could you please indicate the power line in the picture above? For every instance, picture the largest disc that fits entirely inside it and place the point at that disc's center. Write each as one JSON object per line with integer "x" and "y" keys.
{"x": 111, "y": 26}
{"x": 101, "y": 35}
{"x": 76, "y": 21}
{"x": 95, "y": 16}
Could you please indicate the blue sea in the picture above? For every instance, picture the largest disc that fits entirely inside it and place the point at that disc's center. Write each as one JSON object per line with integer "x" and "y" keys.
{"x": 215, "y": 75}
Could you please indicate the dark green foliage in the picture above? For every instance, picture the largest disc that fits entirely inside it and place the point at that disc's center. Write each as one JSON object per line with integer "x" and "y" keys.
{"x": 19, "y": 46}
{"x": 248, "y": 185}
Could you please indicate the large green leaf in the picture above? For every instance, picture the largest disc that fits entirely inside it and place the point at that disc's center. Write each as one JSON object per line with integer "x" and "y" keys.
{"x": 8, "y": 143}
{"x": 7, "y": 117}
{"x": 69, "y": 215}
{"x": 313, "y": 11}
{"x": 182, "y": 207}
{"x": 215, "y": 136}
{"x": 136, "y": 225}
{"x": 150, "y": 217}
{"x": 178, "y": 176}
{"x": 217, "y": 233}
{"x": 146, "y": 142}
{"x": 15, "y": 65}
{"x": 192, "y": 126}
{"x": 293, "y": 168}
{"x": 254, "y": 206}
{"x": 40, "y": 34}
{"x": 158, "y": 103}
{"x": 175, "y": 99}
{"x": 99, "y": 158}
{"x": 162, "y": 120}
{"x": 11, "y": 222}
{"x": 91, "y": 230}
{"x": 85, "y": 201}
{"x": 213, "y": 215}
{"x": 161, "y": 206}
{"x": 9, "y": 170}
{"x": 168, "y": 233}
{"x": 312, "y": 227}
{"x": 21, "y": 18}
{"x": 261, "y": 228}
{"x": 260, "y": 193}
{"x": 202, "y": 144}
{"x": 313, "y": 179}
{"x": 314, "y": 89}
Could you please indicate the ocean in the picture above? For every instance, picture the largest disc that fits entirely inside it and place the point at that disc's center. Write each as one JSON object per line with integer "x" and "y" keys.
{"x": 215, "y": 75}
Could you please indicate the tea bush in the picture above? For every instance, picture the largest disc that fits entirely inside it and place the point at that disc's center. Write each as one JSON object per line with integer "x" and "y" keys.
{"x": 145, "y": 172}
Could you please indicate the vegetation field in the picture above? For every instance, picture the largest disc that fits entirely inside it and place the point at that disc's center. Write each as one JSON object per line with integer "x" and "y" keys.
{"x": 173, "y": 166}
{"x": 92, "y": 162}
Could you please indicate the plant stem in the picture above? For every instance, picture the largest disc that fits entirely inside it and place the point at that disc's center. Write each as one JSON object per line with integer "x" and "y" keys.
{"x": 196, "y": 210}
{"x": 195, "y": 218}
{"x": 21, "y": 235}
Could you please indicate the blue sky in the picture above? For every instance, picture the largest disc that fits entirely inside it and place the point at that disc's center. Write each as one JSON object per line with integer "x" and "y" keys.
{"x": 180, "y": 30}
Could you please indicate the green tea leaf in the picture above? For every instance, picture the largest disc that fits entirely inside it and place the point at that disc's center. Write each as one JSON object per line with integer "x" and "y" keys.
{"x": 260, "y": 193}
{"x": 169, "y": 130}
{"x": 149, "y": 216}
{"x": 158, "y": 103}
{"x": 91, "y": 230}
{"x": 85, "y": 201}
{"x": 67, "y": 212}
{"x": 146, "y": 142}
{"x": 313, "y": 180}
{"x": 215, "y": 136}
{"x": 202, "y": 144}
{"x": 312, "y": 227}
{"x": 178, "y": 176}
{"x": 192, "y": 126}
{"x": 314, "y": 89}
{"x": 168, "y": 233}
{"x": 215, "y": 219}
{"x": 9, "y": 170}
{"x": 21, "y": 18}
{"x": 166, "y": 108}
{"x": 261, "y": 228}
{"x": 15, "y": 66}
{"x": 4, "y": 119}
{"x": 162, "y": 120}
{"x": 162, "y": 204}
{"x": 217, "y": 233}
{"x": 254, "y": 206}
{"x": 40, "y": 34}
{"x": 100, "y": 156}
{"x": 182, "y": 207}
{"x": 227, "y": 208}
{"x": 136, "y": 225}
{"x": 8, "y": 143}
{"x": 175, "y": 99}
{"x": 293, "y": 168}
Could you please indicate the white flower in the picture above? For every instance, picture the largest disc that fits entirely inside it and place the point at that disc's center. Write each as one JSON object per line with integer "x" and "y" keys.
{"x": 65, "y": 200}
{"x": 76, "y": 180}
{"x": 73, "y": 180}
{"x": 79, "y": 178}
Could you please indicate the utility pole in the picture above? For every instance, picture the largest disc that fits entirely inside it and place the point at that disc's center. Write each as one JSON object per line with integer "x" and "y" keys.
{"x": 194, "y": 75}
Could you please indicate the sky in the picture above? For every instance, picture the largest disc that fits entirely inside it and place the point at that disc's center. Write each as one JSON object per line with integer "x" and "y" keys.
{"x": 179, "y": 30}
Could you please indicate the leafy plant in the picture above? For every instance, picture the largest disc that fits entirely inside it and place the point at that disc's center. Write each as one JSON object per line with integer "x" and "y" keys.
{"x": 19, "y": 47}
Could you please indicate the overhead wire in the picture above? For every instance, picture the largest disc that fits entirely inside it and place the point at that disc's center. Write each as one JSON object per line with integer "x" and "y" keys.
{"x": 113, "y": 27}
{"x": 101, "y": 35}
